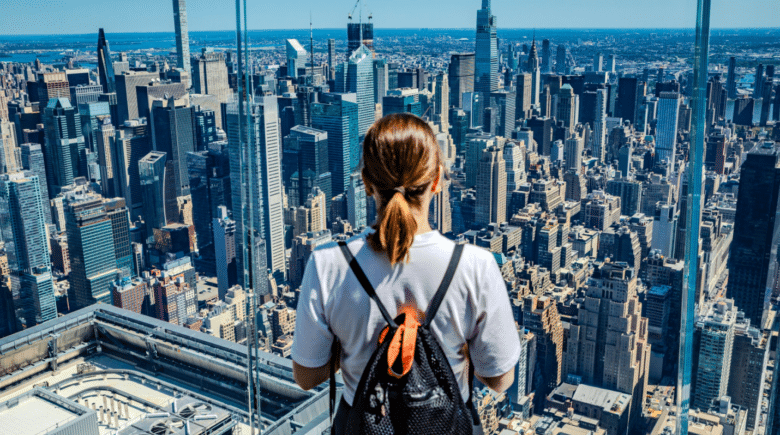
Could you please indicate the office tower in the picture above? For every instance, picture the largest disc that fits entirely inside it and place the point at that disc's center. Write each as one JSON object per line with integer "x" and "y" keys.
{"x": 486, "y": 52}
{"x": 402, "y": 100}
{"x": 542, "y": 129}
{"x": 471, "y": 105}
{"x": 600, "y": 126}
{"x": 743, "y": 111}
{"x": 766, "y": 98}
{"x": 305, "y": 164}
{"x": 32, "y": 161}
{"x": 182, "y": 35}
{"x": 546, "y": 56}
{"x": 131, "y": 294}
{"x": 626, "y": 98}
{"x": 442, "y": 102}
{"x": 567, "y": 105}
{"x": 461, "y": 77}
{"x": 360, "y": 34}
{"x": 731, "y": 85}
{"x": 225, "y": 251}
{"x": 127, "y": 97}
{"x": 540, "y": 316}
{"x": 503, "y": 103}
{"x": 331, "y": 59}
{"x": 92, "y": 115}
{"x": 624, "y": 160}
{"x": 52, "y": 85}
{"x": 10, "y": 157}
{"x": 64, "y": 143}
{"x": 356, "y": 76}
{"x": 158, "y": 90}
{"x": 749, "y": 358}
{"x": 381, "y": 79}
{"x": 85, "y": 94}
{"x": 572, "y": 150}
{"x": 666, "y": 129}
{"x": 22, "y": 227}
{"x": 759, "y": 81}
{"x": 524, "y": 96}
{"x": 491, "y": 187}
{"x": 752, "y": 266}
{"x": 151, "y": 174}
{"x": 356, "y": 202}
{"x": 459, "y": 129}
{"x": 116, "y": 210}
{"x": 210, "y": 76}
{"x": 92, "y": 252}
{"x": 296, "y": 57}
{"x": 302, "y": 247}
{"x": 608, "y": 347}
{"x": 600, "y": 210}
{"x": 776, "y": 104}
{"x": 477, "y": 143}
{"x": 205, "y": 128}
{"x": 560, "y": 60}
{"x": 105, "y": 66}
{"x": 337, "y": 114}
{"x": 173, "y": 132}
{"x": 133, "y": 142}
{"x": 209, "y": 188}
{"x": 105, "y": 144}
{"x": 611, "y": 63}
{"x": 261, "y": 173}
{"x": 514, "y": 156}
{"x": 533, "y": 68}
{"x": 598, "y": 62}
{"x": 715, "y": 333}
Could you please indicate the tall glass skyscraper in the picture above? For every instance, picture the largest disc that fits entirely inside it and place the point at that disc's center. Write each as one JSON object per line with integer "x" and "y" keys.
{"x": 357, "y": 76}
{"x": 151, "y": 179}
{"x": 173, "y": 130}
{"x": 182, "y": 34}
{"x": 337, "y": 114}
{"x": 105, "y": 66}
{"x": 486, "y": 65}
{"x": 600, "y": 125}
{"x": 666, "y": 136}
{"x": 258, "y": 181}
{"x": 32, "y": 160}
{"x": 23, "y": 229}
{"x": 64, "y": 143}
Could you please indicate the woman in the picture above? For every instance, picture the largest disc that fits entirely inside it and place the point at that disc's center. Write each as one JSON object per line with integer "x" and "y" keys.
{"x": 405, "y": 261}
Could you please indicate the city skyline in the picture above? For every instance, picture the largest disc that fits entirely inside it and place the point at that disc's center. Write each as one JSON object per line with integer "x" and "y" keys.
{"x": 202, "y": 15}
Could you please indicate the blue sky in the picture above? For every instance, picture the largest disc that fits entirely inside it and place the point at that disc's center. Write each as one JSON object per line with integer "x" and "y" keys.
{"x": 85, "y": 16}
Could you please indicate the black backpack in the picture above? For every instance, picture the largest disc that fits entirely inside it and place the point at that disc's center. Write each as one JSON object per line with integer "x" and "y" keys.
{"x": 415, "y": 394}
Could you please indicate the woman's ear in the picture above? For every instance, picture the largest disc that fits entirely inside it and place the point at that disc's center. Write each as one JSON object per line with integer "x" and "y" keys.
{"x": 436, "y": 187}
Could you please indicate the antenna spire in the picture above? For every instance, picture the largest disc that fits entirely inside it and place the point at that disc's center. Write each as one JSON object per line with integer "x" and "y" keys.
{"x": 311, "y": 45}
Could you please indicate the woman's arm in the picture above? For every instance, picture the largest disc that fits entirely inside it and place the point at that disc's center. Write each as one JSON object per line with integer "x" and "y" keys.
{"x": 308, "y": 378}
{"x": 499, "y": 384}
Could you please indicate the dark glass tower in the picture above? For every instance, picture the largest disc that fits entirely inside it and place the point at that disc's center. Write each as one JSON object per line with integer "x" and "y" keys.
{"x": 64, "y": 143}
{"x": 486, "y": 65}
{"x": 105, "y": 67}
{"x": 731, "y": 84}
{"x": 753, "y": 256}
{"x": 461, "y": 77}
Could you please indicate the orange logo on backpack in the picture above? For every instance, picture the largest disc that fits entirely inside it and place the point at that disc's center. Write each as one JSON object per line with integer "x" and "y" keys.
{"x": 403, "y": 342}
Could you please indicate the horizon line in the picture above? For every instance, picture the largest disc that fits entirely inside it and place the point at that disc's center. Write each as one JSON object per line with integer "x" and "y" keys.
{"x": 411, "y": 28}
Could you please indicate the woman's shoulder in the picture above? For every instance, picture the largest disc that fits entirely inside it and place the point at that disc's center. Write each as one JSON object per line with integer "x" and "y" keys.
{"x": 328, "y": 254}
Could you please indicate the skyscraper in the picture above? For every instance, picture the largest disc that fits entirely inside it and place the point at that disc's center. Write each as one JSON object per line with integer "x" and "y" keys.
{"x": 106, "y": 149}
{"x": 91, "y": 248}
{"x": 210, "y": 75}
{"x": 715, "y": 330}
{"x": 52, "y": 85}
{"x": 10, "y": 160}
{"x": 296, "y": 57}
{"x": 752, "y": 263}
{"x": 491, "y": 187}
{"x": 666, "y": 129}
{"x": 731, "y": 84}
{"x": 257, "y": 183}
{"x": 357, "y": 76}
{"x": 360, "y": 34}
{"x": 626, "y": 98}
{"x": 337, "y": 114}
{"x": 182, "y": 34}
{"x": 116, "y": 210}
{"x": 151, "y": 178}
{"x": 598, "y": 62}
{"x": 567, "y": 105}
{"x": 127, "y": 98}
{"x": 503, "y": 102}
{"x": 331, "y": 59}
{"x": 32, "y": 160}
{"x": 173, "y": 132}
{"x": 524, "y": 99}
{"x": 64, "y": 143}
{"x": 560, "y": 62}
{"x": 105, "y": 66}
{"x": 308, "y": 148}
{"x": 600, "y": 126}
{"x": 461, "y": 77}
{"x": 533, "y": 68}
{"x": 546, "y": 56}
{"x": 486, "y": 56}
{"x": 442, "y": 102}
{"x": 133, "y": 142}
{"x": 572, "y": 151}
{"x": 758, "y": 84}
{"x": 22, "y": 227}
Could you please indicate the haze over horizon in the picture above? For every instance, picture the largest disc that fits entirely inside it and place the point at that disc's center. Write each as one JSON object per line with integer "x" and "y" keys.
{"x": 27, "y": 17}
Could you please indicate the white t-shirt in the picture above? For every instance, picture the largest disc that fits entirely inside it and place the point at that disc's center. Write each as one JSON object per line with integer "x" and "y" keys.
{"x": 475, "y": 309}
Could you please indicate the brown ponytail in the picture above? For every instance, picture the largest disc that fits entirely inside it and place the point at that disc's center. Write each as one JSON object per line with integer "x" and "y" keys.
{"x": 401, "y": 159}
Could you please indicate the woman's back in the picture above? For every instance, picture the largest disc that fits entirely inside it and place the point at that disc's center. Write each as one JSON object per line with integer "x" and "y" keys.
{"x": 475, "y": 310}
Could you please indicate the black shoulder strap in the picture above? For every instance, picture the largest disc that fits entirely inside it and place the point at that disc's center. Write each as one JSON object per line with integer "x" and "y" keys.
{"x": 363, "y": 280}
{"x": 334, "y": 353}
{"x": 445, "y": 284}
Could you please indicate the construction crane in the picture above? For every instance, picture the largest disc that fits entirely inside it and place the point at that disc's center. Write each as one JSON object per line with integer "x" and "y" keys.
{"x": 370, "y": 15}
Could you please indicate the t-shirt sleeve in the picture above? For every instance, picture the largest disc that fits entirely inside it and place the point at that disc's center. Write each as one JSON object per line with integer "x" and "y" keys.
{"x": 495, "y": 344}
{"x": 312, "y": 338}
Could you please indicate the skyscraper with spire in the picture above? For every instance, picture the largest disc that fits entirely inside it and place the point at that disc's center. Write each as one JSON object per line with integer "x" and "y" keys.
{"x": 534, "y": 69}
{"x": 182, "y": 35}
{"x": 486, "y": 65}
{"x": 105, "y": 66}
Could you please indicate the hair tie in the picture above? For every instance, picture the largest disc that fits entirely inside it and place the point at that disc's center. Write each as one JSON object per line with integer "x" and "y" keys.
{"x": 401, "y": 190}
